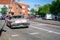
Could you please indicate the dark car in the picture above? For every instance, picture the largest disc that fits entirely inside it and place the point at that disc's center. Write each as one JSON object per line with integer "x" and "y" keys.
{"x": 58, "y": 17}
{"x": 2, "y": 17}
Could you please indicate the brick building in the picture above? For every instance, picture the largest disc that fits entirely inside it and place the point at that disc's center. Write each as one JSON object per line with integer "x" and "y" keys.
{"x": 6, "y": 1}
{"x": 19, "y": 9}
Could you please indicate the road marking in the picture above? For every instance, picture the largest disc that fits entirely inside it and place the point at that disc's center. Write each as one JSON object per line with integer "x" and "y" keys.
{"x": 9, "y": 38}
{"x": 33, "y": 33}
{"x": 45, "y": 24}
{"x": 46, "y": 30}
{"x": 14, "y": 35}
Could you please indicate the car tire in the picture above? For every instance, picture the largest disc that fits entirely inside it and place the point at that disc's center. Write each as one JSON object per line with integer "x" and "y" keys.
{"x": 27, "y": 26}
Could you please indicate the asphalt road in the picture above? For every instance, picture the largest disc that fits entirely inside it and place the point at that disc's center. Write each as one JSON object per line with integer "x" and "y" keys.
{"x": 36, "y": 31}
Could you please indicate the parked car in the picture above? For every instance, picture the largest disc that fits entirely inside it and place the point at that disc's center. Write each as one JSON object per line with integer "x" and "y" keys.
{"x": 17, "y": 21}
{"x": 48, "y": 17}
{"x": 3, "y": 17}
{"x": 57, "y": 17}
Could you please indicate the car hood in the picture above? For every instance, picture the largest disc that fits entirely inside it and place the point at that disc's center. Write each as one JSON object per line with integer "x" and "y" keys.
{"x": 19, "y": 20}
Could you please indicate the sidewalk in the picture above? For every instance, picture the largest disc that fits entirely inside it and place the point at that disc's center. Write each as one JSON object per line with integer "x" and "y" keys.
{"x": 52, "y": 22}
{"x": 3, "y": 34}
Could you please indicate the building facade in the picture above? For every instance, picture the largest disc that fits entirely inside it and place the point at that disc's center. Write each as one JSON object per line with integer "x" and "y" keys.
{"x": 19, "y": 9}
{"x": 6, "y": 1}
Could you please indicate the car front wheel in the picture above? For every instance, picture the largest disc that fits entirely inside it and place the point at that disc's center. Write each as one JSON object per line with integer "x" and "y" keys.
{"x": 27, "y": 26}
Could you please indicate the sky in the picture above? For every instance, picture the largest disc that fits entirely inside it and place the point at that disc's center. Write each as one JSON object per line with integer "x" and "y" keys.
{"x": 31, "y": 3}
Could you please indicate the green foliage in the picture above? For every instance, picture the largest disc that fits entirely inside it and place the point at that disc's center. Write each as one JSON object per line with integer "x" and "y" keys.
{"x": 55, "y": 7}
{"x": 4, "y": 10}
{"x": 44, "y": 9}
{"x": 0, "y": 11}
{"x": 32, "y": 10}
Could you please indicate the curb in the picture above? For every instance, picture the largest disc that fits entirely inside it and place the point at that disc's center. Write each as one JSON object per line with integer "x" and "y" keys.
{"x": 57, "y": 24}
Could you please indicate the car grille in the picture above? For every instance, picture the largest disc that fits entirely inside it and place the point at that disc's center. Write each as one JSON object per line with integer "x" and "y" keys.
{"x": 19, "y": 24}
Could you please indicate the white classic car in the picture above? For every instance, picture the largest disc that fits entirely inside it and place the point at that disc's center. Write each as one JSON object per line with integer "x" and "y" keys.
{"x": 17, "y": 21}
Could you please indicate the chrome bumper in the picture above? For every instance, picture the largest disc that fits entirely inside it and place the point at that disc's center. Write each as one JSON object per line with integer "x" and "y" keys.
{"x": 20, "y": 24}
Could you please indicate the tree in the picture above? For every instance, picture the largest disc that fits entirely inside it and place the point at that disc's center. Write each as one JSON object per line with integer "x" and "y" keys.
{"x": 36, "y": 8}
{"x": 43, "y": 10}
{"x": 4, "y": 10}
{"x": 55, "y": 7}
{"x": 33, "y": 11}
{"x": 46, "y": 8}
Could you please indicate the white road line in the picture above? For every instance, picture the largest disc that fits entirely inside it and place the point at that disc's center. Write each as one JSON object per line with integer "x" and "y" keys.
{"x": 44, "y": 24}
{"x": 9, "y": 38}
{"x": 14, "y": 35}
{"x": 46, "y": 30}
{"x": 33, "y": 33}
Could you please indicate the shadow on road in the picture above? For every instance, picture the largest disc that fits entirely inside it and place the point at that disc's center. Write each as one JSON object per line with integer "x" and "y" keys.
{"x": 1, "y": 31}
{"x": 19, "y": 28}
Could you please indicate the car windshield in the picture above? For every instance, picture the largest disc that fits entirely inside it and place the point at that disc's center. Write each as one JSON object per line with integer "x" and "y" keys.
{"x": 17, "y": 17}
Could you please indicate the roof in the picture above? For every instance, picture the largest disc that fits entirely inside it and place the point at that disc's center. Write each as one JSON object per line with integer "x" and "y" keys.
{"x": 6, "y": 1}
{"x": 22, "y": 3}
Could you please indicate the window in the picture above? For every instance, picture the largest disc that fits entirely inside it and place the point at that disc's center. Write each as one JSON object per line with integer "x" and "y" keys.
{"x": 12, "y": 10}
{"x": 23, "y": 6}
{"x": 23, "y": 10}
{"x": 16, "y": 16}
{"x": 28, "y": 8}
{"x": 10, "y": 7}
{"x": 12, "y": 13}
{"x": 28, "y": 12}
